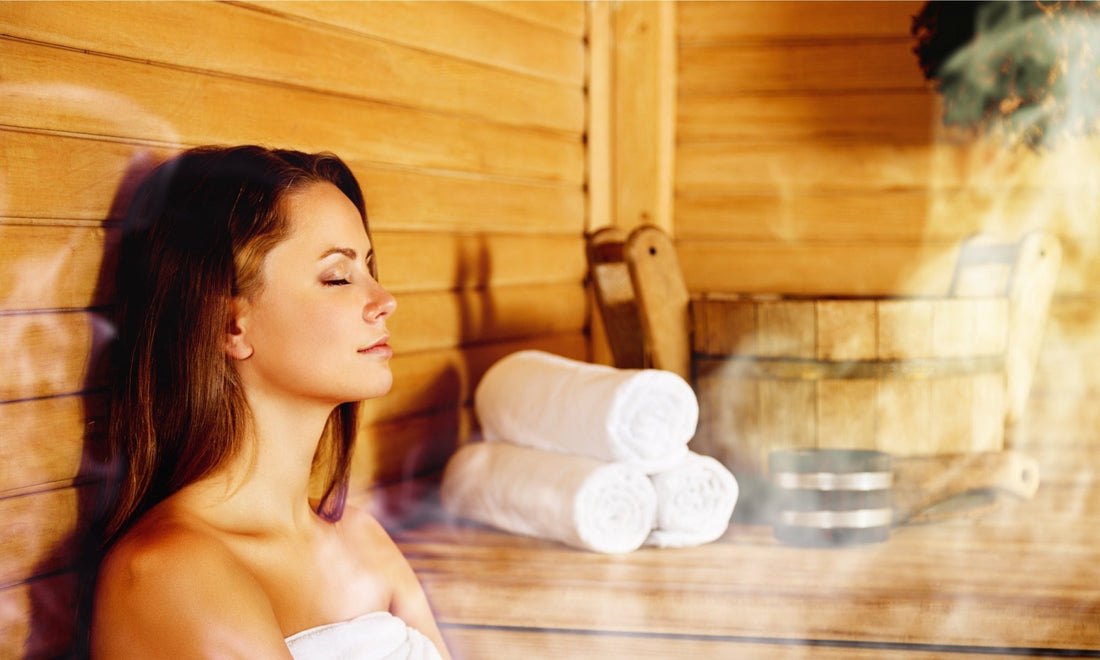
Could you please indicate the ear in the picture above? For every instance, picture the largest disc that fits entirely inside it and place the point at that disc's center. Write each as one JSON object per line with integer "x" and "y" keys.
{"x": 237, "y": 345}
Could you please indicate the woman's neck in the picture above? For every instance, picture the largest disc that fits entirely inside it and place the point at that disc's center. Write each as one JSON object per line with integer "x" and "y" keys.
{"x": 265, "y": 488}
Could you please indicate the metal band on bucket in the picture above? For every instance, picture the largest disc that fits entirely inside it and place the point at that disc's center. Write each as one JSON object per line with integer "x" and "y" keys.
{"x": 858, "y": 519}
{"x": 829, "y": 497}
{"x": 833, "y": 481}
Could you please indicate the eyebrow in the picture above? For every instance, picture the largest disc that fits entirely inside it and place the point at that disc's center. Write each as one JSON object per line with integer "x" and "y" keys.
{"x": 347, "y": 252}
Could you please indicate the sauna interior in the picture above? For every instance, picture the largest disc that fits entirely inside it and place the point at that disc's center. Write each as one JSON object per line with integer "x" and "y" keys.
{"x": 786, "y": 148}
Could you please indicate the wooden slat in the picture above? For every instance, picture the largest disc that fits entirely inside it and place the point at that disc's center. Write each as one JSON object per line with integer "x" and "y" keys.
{"x": 408, "y": 200}
{"x": 747, "y": 21}
{"x": 43, "y": 440}
{"x": 44, "y": 267}
{"x": 37, "y": 535}
{"x": 47, "y": 267}
{"x": 141, "y": 102}
{"x": 990, "y": 587}
{"x": 36, "y": 618}
{"x": 566, "y": 16}
{"x": 799, "y": 67}
{"x": 446, "y": 319}
{"x": 816, "y": 166}
{"x": 413, "y": 261}
{"x": 237, "y": 41}
{"x": 875, "y": 268}
{"x": 787, "y": 168}
{"x": 643, "y": 117}
{"x": 910, "y": 215}
{"x": 878, "y": 116}
{"x": 35, "y": 165}
{"x": 465, "y": 30}
{"x": 504, "y": 643}
{"x": 870, "y": 269}
{"x": 47, "y": 354}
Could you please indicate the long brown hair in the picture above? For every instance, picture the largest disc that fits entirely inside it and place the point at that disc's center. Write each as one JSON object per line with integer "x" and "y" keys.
{"x": 194, "y": 237}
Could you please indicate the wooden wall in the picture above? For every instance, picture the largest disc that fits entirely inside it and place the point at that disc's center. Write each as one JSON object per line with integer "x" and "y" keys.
{"x": 464, "y": 122}
{"x": 811, "y": 159}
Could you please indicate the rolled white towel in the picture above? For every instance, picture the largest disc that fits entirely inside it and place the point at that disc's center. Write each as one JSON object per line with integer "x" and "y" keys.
{"x": 641, "y": 417}
{"x": 695, "y": 500}
{"x": 579, "y": 501}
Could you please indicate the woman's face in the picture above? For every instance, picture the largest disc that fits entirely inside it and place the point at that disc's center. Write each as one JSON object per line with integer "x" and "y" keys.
{"x": 316, "y": 331}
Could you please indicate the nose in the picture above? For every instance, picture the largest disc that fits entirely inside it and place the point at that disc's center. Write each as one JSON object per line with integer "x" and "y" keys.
{"x": 380, "y": 303}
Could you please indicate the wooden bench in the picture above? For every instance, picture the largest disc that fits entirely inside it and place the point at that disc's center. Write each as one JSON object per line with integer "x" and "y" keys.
{"x": 1018, "y": 582}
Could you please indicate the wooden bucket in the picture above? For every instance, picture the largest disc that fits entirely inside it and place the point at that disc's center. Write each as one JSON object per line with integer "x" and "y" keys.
{"x": 905, "y": 376}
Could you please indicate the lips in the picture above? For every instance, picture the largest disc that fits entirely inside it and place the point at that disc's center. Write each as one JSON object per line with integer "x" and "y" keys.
{"x": 380, "y": 347}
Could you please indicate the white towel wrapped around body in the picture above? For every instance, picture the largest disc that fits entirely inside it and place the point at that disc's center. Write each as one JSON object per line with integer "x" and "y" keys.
{"x": 641, "y": 417}
{"x": 695, "y": 500}
{"x": 577, "y": 500}
{"x": 374, "y": 636}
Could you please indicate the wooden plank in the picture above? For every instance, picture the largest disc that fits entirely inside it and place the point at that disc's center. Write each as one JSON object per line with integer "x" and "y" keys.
{"x": 818, "y": 166}
{"x": 95, "y": 175}
{"x": 47, "y": 354}
{"x": 992, "y": 587}
{"x": 914, "y": 215}
{"x": 568, "y": 16}
{"x": 662, "y": 300}
{"x": 464, "y": 30}
{"x": 823, "y": 66}
{"x": 43, "y": 440}
{"x": 98, "y": 174}
{"x": 871, "y": 269}
{"x": 884, "y": 268}
{"x": 846, "y": 414}
{"x": 410, "y": 200}
{"x": 774, "y": 169}
{"x": 36, "y": 618}
{"x": 236, "y": 41}
{"x": 414, "y": 261}
{"x": 599, "y": 130}
{"x": 37, "y": 535}
{"x": 504, "y": 643}
{"x": 643, "y": 113}
{"x": 846, "y": 329}
{"x": 54, "y": 267}
{"x": 786, "y": 329}
{"x": 909, "y": 116}
{"x": 784, "y": 21}
{"x": 49, "y": 267}
{"x": 134, "y": 100}
{"x": 453, "y": 318}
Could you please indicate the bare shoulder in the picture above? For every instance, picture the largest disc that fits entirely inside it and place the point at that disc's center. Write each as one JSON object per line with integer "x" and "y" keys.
{"x": 169, "y": 589}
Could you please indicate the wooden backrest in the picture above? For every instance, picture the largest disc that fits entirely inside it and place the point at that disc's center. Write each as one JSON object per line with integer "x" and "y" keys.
{"x": 642, "y": 298}
{"x": 1025, "y": 272}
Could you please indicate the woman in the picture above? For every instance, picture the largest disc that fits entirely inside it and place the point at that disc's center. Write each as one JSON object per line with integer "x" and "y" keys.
{"x": 250, "y": 323}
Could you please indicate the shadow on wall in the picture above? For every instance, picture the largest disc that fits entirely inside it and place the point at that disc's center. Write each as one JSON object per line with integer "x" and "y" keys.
{"x": 61, "y": 605}
{"x": 429, "y": 437}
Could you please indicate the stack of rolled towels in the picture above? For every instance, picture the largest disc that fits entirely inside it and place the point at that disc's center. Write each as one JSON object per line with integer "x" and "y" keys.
{"x": 588, "y": 455}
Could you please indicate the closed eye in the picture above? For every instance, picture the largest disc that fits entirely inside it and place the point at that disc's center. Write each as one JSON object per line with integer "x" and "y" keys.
{"x": 339, "y": 282}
